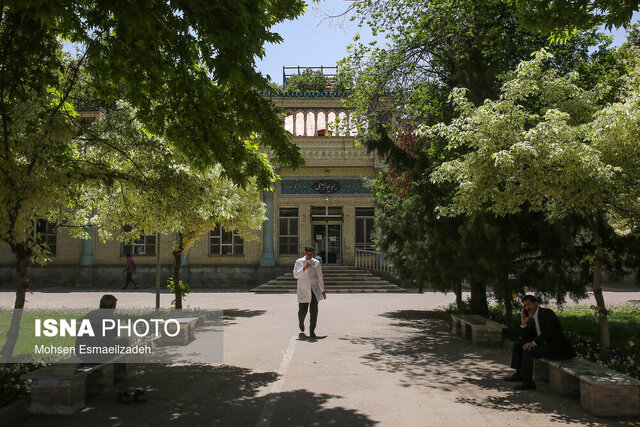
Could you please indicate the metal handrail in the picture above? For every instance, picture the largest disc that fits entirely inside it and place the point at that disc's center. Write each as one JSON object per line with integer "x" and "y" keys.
{"x": 373, "y": 260}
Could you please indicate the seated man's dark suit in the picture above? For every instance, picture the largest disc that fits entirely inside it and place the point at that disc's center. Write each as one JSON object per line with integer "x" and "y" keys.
{"x": 550, "y": 343}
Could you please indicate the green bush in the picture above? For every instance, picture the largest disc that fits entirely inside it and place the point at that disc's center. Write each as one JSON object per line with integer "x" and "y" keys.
{"x": 12, "y": 387}
{"x": 307, "y": 81}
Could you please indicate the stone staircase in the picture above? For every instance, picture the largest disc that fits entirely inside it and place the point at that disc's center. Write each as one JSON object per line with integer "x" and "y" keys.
{"x": 337, "y": 279}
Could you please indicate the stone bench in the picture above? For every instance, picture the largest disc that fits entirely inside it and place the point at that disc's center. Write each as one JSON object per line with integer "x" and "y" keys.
{"x": 602, "y": 391}
{"x": 479, "y": 330}
{"x": 61, "y": 388}
{"x": 186, "y": 334}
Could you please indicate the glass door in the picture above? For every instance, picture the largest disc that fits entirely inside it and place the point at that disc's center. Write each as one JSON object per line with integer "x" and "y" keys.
{"x": 334, "y": 244}
{"x": 327, "y": 241}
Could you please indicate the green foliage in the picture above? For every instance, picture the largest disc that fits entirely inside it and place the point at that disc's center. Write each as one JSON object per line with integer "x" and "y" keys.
{"x": 189, "y": 78}
{"x": 343, "y": 81}
{"x": 561, "y": 19}
{"x": 184, "y": 290}
{"x": 436, "y": 45}
{"x": 307, "y": 81}
{"x": 179, "y": 64}
{"x": 157, "y": 190}
{"x": 12, "y": 387}
{"x": 546, "y": 143}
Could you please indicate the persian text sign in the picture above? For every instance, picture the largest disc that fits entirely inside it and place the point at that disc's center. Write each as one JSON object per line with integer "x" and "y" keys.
{"x": 326, "y": 186}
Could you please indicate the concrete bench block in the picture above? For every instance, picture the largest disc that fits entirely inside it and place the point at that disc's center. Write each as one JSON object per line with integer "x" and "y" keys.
{"x": 477, "y": 329}
{"x": 622, "y": 400}
{"x": 61, "y": 389}
{"x": 100, "y": 380}
{"x": 541, "y": 370}
{"x": 602, "y": 391}
{"x": 563, "y": 383}
{"x": 455, "y": 326}
{"x": 186, "y": 333}
{"x": 57, "y": 399}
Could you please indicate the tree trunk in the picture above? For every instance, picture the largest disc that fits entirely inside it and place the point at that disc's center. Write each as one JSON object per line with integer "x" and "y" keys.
{"x": 23, "y": 256}
{"x": 458, "y": 292}
{"x": 479, "y": 303}
{"x": 177, "y": 289}
{"x": 603, "y": 320}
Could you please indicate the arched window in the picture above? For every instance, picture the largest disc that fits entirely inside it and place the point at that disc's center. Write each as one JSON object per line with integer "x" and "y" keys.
{"x": 311, "y": 124}
{"x": 343, "y": 125}
{"x": 322, "y": 123}
{"x": 299, "y": 125}
{"x": 288, "y": 122}
{"x": 331, "y": 122}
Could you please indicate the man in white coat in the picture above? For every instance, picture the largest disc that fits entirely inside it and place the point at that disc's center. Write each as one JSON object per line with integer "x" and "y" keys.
{"x": 308, "y": 271}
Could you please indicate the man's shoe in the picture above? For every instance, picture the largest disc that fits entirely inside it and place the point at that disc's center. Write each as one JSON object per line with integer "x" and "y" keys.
{"x": 514, "y": 378}
{"x": 301, "y": 326}
{"x": 527, "y": 385}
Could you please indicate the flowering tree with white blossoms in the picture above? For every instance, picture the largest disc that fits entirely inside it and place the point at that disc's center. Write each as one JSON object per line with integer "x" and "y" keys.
{"x": 546, "y": 143}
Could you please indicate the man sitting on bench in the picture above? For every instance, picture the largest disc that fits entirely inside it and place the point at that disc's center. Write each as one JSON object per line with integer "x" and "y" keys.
{"x": 542, "y": 338}
{"x": 111, "y": 338}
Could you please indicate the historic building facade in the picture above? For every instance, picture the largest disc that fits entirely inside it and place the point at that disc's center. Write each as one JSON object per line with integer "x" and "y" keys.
{"x": 327, "y": 204}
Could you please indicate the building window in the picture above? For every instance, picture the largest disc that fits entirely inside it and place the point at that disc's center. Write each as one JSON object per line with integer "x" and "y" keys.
{"x": 365, "y": 229}
{"x": 224, "y": 242}
{"x": 326, "y": 213}
{"x": 44, "y": 234}
{"x": 145, "y": 245}
{"x": 288, "y": 231}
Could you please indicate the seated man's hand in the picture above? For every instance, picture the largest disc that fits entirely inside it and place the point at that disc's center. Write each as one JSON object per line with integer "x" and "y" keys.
{"x": 529, "y": 345}
{"x": 324, "y": 295}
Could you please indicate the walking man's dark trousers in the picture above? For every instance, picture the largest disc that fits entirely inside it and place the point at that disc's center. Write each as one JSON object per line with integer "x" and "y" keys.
{"x": 303, "y": 307}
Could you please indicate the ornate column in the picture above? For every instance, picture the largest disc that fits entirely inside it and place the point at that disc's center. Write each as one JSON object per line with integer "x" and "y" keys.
{"x": 268, "y": 258}
{"x": 304, "y": 131}
{"x": 295, "y": 119}
{"x": 315, "y": 131}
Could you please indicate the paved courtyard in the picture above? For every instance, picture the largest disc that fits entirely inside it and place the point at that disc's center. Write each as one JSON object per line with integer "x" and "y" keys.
{"x": 381, "y": 359}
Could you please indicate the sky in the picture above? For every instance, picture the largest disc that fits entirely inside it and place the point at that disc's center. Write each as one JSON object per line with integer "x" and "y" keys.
{"x": 313, "y": 40}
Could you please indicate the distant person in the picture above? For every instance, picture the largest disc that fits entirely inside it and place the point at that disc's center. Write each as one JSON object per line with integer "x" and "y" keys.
{"x": 318, "y": 257}
{"x": 130, "y": 269}
{"x": 542, "y": 338}
{"x": 308, "y": 271}
{"x": 109, "y": 339}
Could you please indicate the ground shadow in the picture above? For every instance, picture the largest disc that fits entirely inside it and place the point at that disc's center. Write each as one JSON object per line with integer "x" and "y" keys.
{"x": 304, "y": 337}
{"x": 203, "y": 395}
{"x": 424, "y": 350}
{"x": 302, "y": 408}
{"x": 231, "y": 314}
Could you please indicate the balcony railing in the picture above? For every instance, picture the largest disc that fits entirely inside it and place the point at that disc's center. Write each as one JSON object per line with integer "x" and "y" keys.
{"x": 373, "y": 260}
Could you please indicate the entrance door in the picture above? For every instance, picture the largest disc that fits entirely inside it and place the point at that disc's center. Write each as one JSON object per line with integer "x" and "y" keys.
{"x": 327, "y": 240}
